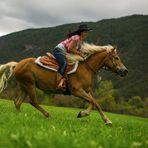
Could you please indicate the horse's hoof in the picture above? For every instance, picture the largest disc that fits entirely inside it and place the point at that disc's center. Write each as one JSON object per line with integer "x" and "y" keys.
{"x": 109, "y": 123}
{"x": 47, "y": 115}
{"x": 79, "y": 115}
{"x": 18, "y": 110}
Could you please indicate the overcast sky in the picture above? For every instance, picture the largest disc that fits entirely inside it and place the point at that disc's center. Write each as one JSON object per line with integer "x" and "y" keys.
{"x": 16, "y": 15}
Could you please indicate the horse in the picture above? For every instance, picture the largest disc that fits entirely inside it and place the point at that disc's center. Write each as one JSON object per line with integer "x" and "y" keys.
{"x": 30, "y": 76}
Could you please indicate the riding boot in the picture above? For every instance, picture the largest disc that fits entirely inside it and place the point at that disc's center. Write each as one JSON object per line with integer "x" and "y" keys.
{"x": 62, "y": 83}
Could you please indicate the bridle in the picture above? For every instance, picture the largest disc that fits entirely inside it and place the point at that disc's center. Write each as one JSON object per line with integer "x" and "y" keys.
{"x": 113, "y": 69}
{"x": 103, "y": 65}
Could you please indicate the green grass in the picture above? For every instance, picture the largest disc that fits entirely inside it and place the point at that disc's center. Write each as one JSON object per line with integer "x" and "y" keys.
{"x": 63, "y": 130}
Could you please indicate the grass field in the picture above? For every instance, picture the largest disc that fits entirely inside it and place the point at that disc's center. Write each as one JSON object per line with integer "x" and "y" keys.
{"x": 63, "y": 130}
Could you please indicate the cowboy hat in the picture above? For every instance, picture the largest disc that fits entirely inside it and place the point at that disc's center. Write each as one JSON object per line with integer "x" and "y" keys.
{"x": 84, "y": 27}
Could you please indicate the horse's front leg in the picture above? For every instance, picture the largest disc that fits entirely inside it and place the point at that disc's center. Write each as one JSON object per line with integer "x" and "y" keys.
{"x": 85, "y": 112}
{"x": 83, "y": 94}
{"x": 88, "y": 110}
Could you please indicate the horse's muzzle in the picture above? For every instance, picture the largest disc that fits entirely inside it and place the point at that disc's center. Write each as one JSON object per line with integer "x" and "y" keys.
{"x": 122, "y": 72}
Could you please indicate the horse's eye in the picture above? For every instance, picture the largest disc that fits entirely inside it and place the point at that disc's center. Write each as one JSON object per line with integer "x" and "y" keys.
{"x": 117, "y": 58}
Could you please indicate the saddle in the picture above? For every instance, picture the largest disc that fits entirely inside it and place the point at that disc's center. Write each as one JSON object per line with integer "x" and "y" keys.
{"x": 49, "y": 62}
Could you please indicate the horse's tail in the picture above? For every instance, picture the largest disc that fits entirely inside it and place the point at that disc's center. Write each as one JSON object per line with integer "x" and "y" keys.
{"x": 6, "y": 71}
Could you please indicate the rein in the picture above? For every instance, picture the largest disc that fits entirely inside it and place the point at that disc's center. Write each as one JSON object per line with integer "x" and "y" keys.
{"x": 90, "y": 68}
{"x": 95, "y": 71}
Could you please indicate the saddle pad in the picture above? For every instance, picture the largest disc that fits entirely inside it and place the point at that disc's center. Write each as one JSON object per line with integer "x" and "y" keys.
{"x": 49, "y": 62}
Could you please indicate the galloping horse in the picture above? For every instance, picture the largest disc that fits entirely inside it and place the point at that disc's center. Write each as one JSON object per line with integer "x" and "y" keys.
{"x": 29, "y": 76}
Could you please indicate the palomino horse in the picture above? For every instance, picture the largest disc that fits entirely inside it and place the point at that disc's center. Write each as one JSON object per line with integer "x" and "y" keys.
{"x": 29, "y": 76}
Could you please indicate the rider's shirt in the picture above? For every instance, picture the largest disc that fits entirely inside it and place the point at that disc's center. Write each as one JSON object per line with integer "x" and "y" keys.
{"x": 65, "y": 44}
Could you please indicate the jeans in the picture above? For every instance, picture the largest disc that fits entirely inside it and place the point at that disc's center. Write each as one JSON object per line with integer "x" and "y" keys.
{"x": 61, "y": 59}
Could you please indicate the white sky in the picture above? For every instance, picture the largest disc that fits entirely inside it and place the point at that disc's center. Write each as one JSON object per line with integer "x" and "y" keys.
{"x": 16, "y": 15}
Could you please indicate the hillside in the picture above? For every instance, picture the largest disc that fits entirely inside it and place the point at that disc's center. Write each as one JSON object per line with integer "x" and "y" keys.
{"x": 128, "y": 33}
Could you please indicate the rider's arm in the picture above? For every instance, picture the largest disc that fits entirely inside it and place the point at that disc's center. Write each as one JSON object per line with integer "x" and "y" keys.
{"x": 72, "y": 48}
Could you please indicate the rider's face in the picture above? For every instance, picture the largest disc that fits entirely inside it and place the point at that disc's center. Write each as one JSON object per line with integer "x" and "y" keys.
{"x": 84, "y": 34}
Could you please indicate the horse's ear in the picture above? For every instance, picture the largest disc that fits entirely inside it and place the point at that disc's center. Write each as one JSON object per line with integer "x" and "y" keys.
{"x": 114, "y": 50}
{"x": 115, "y": 46}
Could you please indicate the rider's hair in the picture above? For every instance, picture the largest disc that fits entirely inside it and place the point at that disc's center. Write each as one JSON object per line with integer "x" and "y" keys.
{"x": 70, "y": 34}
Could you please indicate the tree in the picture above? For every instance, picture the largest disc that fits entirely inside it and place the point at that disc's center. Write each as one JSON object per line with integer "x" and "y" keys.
{"x": 105, "y": 88}
{"x": 105, "y": 95}
{"x": 136, "y": 101}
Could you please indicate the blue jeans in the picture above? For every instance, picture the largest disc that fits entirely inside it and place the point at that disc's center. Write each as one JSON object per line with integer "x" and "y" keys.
{"x": 61, "y": 59}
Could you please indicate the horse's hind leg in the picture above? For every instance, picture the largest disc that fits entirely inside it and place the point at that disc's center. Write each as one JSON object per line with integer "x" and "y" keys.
{"x": 19, "y": 99}
{"x": 33, "y": 100}
{"x": 17, "y": 103}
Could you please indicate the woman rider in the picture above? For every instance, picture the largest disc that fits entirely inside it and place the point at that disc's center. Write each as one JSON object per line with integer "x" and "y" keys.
{"x": 71, "y": 45}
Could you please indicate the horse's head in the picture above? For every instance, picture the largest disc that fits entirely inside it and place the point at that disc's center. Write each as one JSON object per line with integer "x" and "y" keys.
{"x": 114, "y": 63}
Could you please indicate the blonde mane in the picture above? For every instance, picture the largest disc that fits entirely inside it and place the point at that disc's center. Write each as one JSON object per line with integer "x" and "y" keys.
{"x": 87, "y": 50}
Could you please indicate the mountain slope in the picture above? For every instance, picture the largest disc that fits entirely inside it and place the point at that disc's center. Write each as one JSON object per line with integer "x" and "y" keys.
{"x": 128, "y": 33}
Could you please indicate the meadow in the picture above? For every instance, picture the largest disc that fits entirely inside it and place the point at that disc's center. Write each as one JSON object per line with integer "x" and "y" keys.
{"x": 30, "y": 129}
